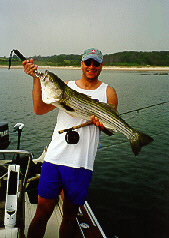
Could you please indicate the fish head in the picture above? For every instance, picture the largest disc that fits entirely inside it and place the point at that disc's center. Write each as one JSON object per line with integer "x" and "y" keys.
{"x": 52, "y": 87}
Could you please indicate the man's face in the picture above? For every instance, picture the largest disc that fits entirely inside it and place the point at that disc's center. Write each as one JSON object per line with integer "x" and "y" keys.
{"x": 91, "y": 69}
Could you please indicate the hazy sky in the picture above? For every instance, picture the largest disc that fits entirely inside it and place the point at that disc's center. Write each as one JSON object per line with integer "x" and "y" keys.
{"x": 52, "y": 27}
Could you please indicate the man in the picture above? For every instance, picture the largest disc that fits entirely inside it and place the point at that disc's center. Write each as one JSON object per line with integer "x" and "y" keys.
{"x": 69, "y": 166}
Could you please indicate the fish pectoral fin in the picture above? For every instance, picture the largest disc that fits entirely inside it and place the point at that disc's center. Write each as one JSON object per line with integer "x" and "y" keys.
{"x": 65, "y": 106}
{"x": 108, "y": 132}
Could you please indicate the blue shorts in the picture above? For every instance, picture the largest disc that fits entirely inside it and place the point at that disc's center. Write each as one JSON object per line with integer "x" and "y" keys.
{"x": 74, "y": 182}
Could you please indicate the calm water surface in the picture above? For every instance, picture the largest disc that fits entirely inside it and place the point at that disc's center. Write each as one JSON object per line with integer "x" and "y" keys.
{"x": 129, "y": 195}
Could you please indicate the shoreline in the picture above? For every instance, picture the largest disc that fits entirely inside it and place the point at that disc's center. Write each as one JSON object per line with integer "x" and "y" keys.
{"x": 115, "y": 68}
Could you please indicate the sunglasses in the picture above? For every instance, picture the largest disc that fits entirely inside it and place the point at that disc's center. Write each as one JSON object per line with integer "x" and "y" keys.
{"x": 89, "y": 61}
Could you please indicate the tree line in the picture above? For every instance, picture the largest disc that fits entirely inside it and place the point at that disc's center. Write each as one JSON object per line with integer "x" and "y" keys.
{"x": 125, "y": 58}
{"x": 134, "y": 58}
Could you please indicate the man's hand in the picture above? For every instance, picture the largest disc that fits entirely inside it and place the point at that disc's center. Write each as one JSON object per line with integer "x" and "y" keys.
{"x": 96, "y": 122}
{"x": 29, "y": 67}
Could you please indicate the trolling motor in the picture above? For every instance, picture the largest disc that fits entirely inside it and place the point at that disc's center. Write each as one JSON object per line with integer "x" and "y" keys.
{"x": 4, "y": 134}
{"x": 18, "y": 127}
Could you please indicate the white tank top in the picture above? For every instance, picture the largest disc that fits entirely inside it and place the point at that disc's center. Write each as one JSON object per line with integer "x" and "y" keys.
{"x": 83, "y": 153}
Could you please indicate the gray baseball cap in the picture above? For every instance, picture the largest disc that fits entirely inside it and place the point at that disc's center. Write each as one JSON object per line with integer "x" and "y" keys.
{"x": 94, "y": 54}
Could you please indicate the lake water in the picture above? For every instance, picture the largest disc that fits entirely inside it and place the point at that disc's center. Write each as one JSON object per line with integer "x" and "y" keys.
{"x": 129, "y": 195}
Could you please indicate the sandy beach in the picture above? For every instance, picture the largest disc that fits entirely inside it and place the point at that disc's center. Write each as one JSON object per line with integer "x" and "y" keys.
{"x": 148, "y": 68}
{"x": 115, "y": 68}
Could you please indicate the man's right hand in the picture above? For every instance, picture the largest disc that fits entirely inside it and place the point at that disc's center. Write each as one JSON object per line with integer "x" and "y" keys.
{"x": 96, "y": 122}
{"x": 29, "y": 67}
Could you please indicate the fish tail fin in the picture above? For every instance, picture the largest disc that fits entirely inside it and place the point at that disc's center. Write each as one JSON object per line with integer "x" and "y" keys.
{"x": 138, "y": 140}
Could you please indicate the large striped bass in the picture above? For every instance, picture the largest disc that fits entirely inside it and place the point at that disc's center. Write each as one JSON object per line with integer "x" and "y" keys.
{"x": 56, "y": 92}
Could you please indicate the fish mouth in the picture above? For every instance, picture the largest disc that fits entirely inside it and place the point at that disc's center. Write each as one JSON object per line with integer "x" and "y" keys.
{"x": 43, "y": 76}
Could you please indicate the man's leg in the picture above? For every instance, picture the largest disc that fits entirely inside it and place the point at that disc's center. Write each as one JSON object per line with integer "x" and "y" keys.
{"x": 44, "y": 210}
{"x": 67, "y": 228}
{"x": 75, "y": 185}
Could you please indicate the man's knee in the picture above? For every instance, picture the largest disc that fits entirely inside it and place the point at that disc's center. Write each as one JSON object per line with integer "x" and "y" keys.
{"x": 70, "y": 210}
{"x": 45, "y": 208}
{"x": 42, "y": 214}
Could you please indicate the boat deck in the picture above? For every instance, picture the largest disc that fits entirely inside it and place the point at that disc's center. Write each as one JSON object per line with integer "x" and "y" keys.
{"x": 54, "y": 222}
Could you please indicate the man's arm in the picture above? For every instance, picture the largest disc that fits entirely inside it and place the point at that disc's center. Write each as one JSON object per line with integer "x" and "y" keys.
{"x": 39, "y": 106}
{"x": 112, "y": 96}
{"x": 111, "y": 99}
